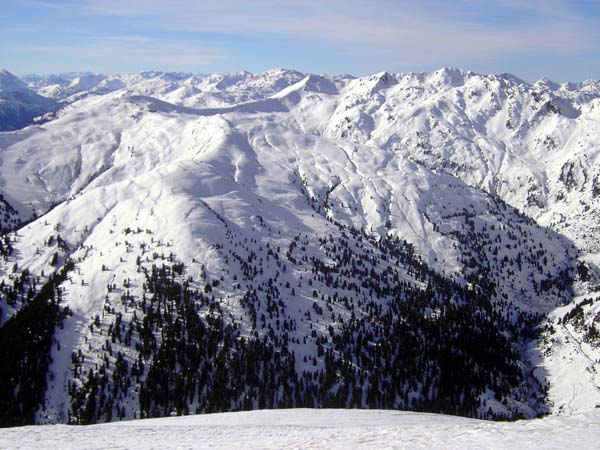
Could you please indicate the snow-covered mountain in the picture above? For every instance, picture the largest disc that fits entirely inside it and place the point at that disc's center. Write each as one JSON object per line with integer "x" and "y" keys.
{"x": 181, "y": 88}
{"x": 18, "y": 104}
{"x": 242, "y": 241}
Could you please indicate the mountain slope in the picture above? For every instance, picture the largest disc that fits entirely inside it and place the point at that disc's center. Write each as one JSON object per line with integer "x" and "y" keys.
{"x": 19, "y": 105}
{"x": 256, "y": 237}
{"x": 353, "y": 241}
{"x": 532, "y": 145}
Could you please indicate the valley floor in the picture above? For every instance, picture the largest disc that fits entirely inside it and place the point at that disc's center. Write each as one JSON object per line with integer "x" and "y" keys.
{"x": 314, "y": 429}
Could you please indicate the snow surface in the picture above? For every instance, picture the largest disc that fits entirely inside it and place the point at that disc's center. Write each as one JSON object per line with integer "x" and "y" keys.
{"x": 313, "y": 430}
{"x": 572, "y": 360}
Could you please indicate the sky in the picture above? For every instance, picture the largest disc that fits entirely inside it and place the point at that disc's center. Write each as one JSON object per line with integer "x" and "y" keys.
{"x": 532, "y": 39}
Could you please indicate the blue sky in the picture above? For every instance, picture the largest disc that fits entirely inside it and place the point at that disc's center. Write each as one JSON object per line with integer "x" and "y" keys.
{"x": 557, "y": 39}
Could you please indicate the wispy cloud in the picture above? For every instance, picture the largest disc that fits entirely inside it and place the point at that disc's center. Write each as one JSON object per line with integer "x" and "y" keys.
{"x": 359, "y": 35}
{"x": 419, "y": 32}
{"x": 16, "y": 29}
{"x": 42, "y": 4}
{"x": 131, "y": 53}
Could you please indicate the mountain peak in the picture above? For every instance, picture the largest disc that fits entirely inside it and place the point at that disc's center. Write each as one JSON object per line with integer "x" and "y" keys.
{"x": 9, "y": 82}
{"x": 317, "y": 83}
{"x": 310, "y": 83}
{"x": 386, "y": 78}
{"x": 448, "y": 76}
{"x": 547, "y": 84}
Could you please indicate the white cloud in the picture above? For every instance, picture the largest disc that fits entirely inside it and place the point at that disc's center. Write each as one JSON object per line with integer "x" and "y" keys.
{"x": 41, "y": 4}
{"x": 132, "y": 53}
{"x": 419, "y": 32}
{"x": 391, "y": 34}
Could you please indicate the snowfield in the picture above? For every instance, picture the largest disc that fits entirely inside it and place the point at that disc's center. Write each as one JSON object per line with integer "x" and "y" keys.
{"x": 314, "y": 429}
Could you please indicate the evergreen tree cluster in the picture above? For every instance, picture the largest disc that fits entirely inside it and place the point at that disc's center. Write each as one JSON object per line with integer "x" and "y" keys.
{"x": 26, "y": 340}
{"x": 352, "y": 320}
{"x": 6, "y": 248}
{"x": 347, "y": 319}
{"x": 583, "y": 319}
{"x": 9, "y": 217}
{"x": 507, "y": 257}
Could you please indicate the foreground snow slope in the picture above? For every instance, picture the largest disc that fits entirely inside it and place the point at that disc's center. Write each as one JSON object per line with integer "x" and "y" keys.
{"x": 314, "y": 429}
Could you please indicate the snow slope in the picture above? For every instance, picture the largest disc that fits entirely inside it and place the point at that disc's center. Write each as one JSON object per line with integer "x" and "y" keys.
{"x": 313, "y": 429}
{"x": 531, "y": 144}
